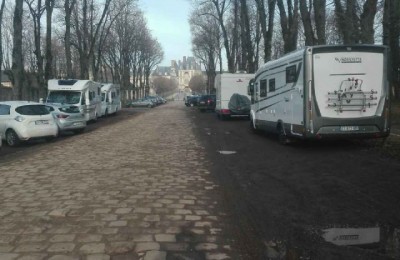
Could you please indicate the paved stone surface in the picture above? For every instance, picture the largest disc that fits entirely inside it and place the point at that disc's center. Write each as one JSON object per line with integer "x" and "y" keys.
{"x": 139, "y": 189}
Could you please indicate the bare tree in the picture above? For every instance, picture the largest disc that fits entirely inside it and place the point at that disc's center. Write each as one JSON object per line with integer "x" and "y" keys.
{"x": 289, "y": 15}
{"x": 17, "y": 76}
{"x": 220, "y": 10}
{"x": 88, "y": 23}
{"x": 68, "y": 8}
{"x": 247, "y": 46}
{"x": 197, "y": 84}
{"x": 356, "y": 24}
{"x": 206, "y": 42}
{"x": 391, "y": 38}
{"x": 314, "y": 29}
{"x": 1, "y": 36}
{"x": 152, "y": 56}
{"x": 49, "y": 55}
{"x": 36, "y": 8}
{"x": 266, "y": 29}
{"x": 162, "y": 85}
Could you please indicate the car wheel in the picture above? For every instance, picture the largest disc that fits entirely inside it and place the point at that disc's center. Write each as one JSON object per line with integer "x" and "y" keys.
{"x": 12, "y": 138}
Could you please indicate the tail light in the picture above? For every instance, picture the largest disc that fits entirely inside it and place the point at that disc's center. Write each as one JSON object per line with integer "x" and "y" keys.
{"x": 62, "y": 116}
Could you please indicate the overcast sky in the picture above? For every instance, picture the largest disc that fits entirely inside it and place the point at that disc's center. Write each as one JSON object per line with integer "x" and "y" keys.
{"x": 168, "y": 21}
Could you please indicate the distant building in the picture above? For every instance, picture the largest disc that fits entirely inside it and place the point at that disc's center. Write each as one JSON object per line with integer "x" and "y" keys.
{"x": 181, "y": 71}
{"x": 187, "y": 68}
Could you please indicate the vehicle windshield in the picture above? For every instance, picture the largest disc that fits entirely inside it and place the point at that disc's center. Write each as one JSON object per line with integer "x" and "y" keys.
{"x": 64, "y": 97}
{"x": 32, "y": 110}
{"x": 71, "y": 110}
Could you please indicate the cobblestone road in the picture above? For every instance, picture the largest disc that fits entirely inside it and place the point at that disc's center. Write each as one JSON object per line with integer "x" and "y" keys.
{"x": 139, "y": 189}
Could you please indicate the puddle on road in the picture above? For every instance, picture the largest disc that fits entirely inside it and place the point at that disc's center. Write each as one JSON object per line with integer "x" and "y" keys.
{"x": 352, "y": 236}
{"x": 385, "y": 239}
{"x": 227, "y": 152}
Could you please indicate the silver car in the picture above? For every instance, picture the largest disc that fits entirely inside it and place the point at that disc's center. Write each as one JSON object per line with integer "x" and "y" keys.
{"x": 142, "y": 103}
{"x": 68, "y": 118}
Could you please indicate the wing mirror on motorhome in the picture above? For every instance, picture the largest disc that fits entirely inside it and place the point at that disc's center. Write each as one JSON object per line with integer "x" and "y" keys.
{"x": 250, "y": 88}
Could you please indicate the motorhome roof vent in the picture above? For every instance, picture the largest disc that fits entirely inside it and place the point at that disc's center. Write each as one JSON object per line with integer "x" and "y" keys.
{"x": 68, "y": 82}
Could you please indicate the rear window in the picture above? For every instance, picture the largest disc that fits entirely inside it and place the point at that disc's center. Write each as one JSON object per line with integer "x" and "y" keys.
{"x": 32, "y": 110}
{"x": 70, "y": 110}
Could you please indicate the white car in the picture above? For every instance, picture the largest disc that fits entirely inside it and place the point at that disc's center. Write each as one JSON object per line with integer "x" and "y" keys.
{"x": 25, "y": 120}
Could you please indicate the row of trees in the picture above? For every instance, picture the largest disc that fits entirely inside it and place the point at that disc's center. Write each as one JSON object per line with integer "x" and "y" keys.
{"x": 107, "y": 41}
{"x": 248, "y": 33}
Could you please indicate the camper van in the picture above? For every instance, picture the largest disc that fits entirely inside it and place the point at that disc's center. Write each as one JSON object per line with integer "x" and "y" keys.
{"x": 231, "y": 94}
{"x": 83, "y": 93}
{"x": 110, "y": 99}
{"x": 322, "y": 92}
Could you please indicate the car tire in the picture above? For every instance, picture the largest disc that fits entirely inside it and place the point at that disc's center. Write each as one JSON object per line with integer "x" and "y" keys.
{"x": 12, "y": 138}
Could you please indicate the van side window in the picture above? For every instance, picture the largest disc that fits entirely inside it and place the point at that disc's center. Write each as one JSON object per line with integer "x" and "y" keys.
{"x": 271, "y": 85}
{"x": 263, "y": 88}
{"x": 291, "y": 74}
{"x": 4, "y": 110}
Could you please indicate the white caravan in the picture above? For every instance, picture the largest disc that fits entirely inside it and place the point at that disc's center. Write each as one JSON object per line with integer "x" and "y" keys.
{"x": 323, "y": 91}
{"x": 226, "y": 85}
{"x": 110, "y": 99}
{"x": 82, "y": 93}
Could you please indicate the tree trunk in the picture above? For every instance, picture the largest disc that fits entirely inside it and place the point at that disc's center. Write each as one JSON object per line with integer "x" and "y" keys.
{"x": 305, "y": 11}
{"x": 391, "y": 36}
{"x": 1, "y": 38}
{"x": 17, "y": 58}
{"x": 230, "y": 58}
{"x": 367, "y": 22}
{"x": 68, "y": 7}
{"x": 247, "y": 45}
{"x": 289, "y": 24}
{"x": 320, "y": 20}
{"x": 48, "y": 73}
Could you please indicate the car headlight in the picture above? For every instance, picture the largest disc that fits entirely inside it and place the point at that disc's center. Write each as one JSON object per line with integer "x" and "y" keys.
{"x": 19, "y": 118}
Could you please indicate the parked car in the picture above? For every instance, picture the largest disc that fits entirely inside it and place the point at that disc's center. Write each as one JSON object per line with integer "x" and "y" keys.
{"x": 142, "y": 103}
{"x": 68, "y": 118}
{"x": 24, "y": 120}
{"x": 206, "y": 102}
{"x": 192, "y": 100}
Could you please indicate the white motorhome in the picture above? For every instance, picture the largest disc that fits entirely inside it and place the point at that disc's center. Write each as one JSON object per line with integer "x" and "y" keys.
{"x": 226, "y": 85}
{"x": 110, "y": 99}
{"x": 323, "y": 91}
{"x": 83, "y": 93}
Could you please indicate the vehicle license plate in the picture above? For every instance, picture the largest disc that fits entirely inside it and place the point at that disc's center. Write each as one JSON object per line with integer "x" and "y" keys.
{"x": 77, "y": 123}
{"x": 41, "y": 122}
{"x": 349, "y": 128}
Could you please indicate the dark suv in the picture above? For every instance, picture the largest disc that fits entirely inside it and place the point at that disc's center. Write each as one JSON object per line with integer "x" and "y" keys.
{"x": 191, "y": 100}
{"x": 206, "y": 102}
